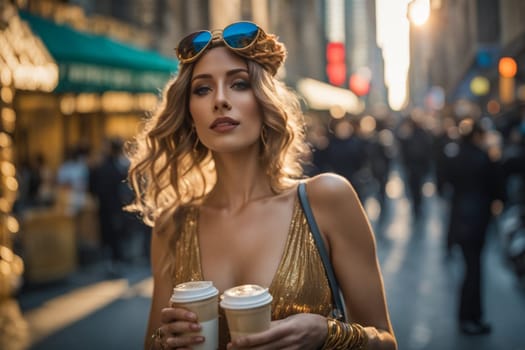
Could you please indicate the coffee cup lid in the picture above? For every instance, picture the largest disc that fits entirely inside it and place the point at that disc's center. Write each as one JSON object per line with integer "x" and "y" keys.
{"x": 245, "y": 296}
{"x": 192, "y": 291}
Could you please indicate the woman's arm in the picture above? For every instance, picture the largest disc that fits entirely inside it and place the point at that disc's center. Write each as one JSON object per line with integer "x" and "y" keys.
{"x": 171, "y": 325}
{"x": 351, "y": 245}
{"x": 161, "y": 284}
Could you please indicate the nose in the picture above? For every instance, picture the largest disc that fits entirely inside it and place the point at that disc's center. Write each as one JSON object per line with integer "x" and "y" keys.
{"x": 221, "y": 101}
{"x": 222, "y": 105}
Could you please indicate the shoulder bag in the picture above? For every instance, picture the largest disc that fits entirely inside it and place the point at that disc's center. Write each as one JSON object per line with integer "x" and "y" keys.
{"x": 339, "y": 311}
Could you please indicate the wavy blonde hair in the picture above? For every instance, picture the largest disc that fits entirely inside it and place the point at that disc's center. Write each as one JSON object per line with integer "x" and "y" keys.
{"x": 170, "y": 168}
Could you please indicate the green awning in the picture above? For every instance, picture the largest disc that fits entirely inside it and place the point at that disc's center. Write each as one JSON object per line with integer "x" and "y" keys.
{"x": 94, "y": 63}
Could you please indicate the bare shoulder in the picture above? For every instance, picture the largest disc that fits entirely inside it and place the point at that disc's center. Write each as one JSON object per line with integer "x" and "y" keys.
{"x": 329, "y": 189}
{"x": 336, "y": 206}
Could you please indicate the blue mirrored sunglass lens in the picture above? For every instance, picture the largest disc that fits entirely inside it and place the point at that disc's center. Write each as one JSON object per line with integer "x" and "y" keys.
{"x": 240, "y": 35}
{"x": 200, "y": 41}
{"x": 193, "y": 44}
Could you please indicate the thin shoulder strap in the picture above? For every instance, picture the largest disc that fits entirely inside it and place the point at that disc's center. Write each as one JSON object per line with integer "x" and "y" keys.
{"x": 334, "y": 286}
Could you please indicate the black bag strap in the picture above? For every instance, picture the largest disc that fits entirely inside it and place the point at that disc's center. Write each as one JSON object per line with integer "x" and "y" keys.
{"x": 339, "y": 309}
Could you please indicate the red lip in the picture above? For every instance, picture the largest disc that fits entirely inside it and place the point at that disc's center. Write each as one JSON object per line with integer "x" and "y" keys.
{"x": 224, "y": 123}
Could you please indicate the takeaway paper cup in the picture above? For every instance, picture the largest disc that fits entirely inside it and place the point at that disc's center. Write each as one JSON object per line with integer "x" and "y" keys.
{"x": 247, "y": 308}
{"x": 200, "y": 297}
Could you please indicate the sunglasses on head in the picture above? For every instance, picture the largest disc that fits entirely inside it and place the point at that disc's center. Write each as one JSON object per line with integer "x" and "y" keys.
{"x": 236, "y": 36}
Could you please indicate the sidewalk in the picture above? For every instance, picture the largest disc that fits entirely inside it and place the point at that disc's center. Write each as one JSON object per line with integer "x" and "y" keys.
{"x": 89, "y": 311}
{"x": 422, "y": 285}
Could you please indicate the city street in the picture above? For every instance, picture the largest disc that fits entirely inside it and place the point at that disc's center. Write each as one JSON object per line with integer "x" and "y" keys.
{"x": 419, "y": 104}
{"x": 90, "y": 312}
{"x": 422, "y": 286}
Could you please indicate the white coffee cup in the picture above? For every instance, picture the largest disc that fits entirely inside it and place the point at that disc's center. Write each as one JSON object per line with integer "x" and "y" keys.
{"x": 200, "y": 297}
{"x": 248, "y": 309}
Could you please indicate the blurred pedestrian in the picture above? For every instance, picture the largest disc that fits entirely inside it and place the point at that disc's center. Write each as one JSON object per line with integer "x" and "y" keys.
{"x": 317, "y": 138}
{"x": 513, "y": 163}
{"x": 216, "y": 173}
{"x": 443, "y": 137}
{"x": 108, "y": 184}
{"x": 416, "y": 156}
{"x": 44, "y": 189}
{"x": 36, "y": 184}
{"x": 346, "y": 154}
{"x": 475, "y": 183}
{"x": 73, "y": 180}
{"x": 445, "y": 147}
{"x": 379, "y": 154}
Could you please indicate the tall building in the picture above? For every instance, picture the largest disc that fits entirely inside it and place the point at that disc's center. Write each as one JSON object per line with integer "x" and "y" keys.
{"x": 301, "y": 25}
{"x": 365, "y": 58}
{"x": 460, "y": 51}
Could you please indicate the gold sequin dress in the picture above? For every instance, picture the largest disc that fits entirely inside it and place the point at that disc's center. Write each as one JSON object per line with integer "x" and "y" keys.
{"x": 300, "y": 283}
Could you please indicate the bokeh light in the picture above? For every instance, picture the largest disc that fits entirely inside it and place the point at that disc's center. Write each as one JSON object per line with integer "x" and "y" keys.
{"x": 419, "y": 12}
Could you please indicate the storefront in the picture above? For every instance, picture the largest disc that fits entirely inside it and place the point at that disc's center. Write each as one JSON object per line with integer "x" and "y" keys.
{"x": 104, "y": 88}
{"x": 61, "y": 88}
{"x": 25, "y": 65}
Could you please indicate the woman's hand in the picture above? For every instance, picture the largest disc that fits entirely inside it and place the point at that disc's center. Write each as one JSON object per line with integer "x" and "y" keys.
{"x": 300, "y": 331}
{"x": 177, "y": 324}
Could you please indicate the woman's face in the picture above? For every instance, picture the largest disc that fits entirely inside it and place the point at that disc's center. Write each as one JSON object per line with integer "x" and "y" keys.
{"x": 226, "y": 114}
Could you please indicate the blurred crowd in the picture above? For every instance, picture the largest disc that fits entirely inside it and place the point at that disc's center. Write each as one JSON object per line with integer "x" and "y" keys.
{"x": 475, "y": 165}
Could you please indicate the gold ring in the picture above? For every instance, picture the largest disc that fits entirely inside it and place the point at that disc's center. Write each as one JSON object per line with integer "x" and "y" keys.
{"x": 157, "y": 337}
{"x": 158, "y": 334}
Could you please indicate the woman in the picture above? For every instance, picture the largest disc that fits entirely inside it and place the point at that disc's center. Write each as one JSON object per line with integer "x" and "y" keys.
{"x": 216, "y": 173}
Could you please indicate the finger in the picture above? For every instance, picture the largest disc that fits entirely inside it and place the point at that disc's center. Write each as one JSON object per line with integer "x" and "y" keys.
{"x": 183, "y": 342}
{"x": 175, "y": 328}
{"x": 172, "y": 341}
{"x": 170, "y": 314}
{"x": 251, "y": 341}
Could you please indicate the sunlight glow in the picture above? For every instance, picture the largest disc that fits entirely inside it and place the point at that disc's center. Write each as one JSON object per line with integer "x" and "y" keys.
{"x": 64, "y": 310}
{"x": 419, "y": 12}
{"x": 392, "y": 37}
{"x": 324, "y": 96}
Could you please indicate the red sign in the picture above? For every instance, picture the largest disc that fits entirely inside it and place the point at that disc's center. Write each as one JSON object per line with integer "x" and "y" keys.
{"x": 336, "y": 65}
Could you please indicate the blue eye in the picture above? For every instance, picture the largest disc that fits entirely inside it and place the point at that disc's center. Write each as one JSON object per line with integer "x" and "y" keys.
{"x": 241, "y": 85}
{"x": 201, "y": 90}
